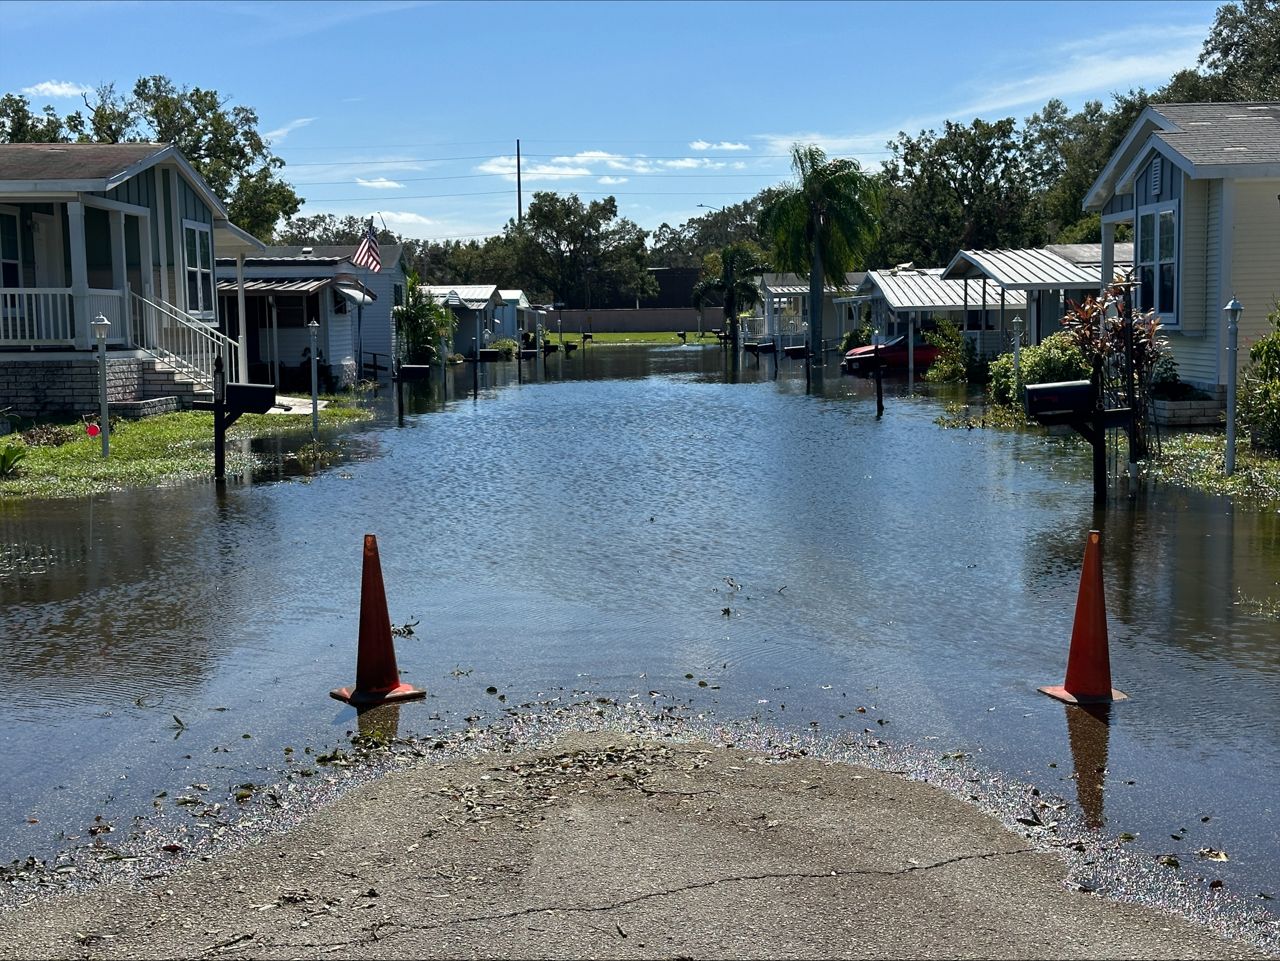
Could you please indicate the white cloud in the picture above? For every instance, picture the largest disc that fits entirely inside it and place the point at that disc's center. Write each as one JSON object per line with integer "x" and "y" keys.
{"x": 559, "y": 168}
{"x": 611, "y": 181}
{"x": 281, "y": 132}
{"x": 56, "y": 89}
{"x": 722, "y": 145}
{"x": 379, "y": 183}
{"x": 398, "y": 219}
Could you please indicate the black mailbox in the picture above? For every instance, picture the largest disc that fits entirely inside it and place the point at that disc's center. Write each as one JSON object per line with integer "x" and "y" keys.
{"x": 250, "y": 398}
{"x": 1060, "y": 403}
{"x": 796, "y": 351}
{"x": 413, "y": 372}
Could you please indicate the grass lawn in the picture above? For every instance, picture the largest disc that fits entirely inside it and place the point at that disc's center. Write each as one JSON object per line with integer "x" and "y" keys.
{"x": 62, "y": 461}
{"x": 658, "y": 337}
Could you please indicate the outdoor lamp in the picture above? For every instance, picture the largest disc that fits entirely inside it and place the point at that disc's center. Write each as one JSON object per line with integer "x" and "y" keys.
{"x": 1233, "y": 310}
{"x": 101, "y": 329}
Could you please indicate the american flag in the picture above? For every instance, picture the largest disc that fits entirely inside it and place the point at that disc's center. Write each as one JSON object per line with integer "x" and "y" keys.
{"x": 367, "y": 254}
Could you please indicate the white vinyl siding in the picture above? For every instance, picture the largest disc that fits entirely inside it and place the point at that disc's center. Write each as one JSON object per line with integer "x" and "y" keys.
{"x": 1195, "y": 344}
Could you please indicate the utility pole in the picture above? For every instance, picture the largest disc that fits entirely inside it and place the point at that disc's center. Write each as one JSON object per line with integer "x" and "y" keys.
{"x": 519, "y": 187}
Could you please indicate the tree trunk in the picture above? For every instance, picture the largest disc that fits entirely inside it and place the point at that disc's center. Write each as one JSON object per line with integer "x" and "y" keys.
{"x": 816, "y": 284}
{"x": 731, "y": 319}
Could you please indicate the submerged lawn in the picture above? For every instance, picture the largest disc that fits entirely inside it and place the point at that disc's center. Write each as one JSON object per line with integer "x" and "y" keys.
{"x": 147, "y": 452}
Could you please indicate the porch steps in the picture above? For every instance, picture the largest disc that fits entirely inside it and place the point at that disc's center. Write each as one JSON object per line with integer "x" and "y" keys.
{"x": 162, "y": 381}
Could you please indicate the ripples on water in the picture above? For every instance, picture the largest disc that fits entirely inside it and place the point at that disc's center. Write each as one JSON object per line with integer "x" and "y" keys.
{"x": 579, "y": 533}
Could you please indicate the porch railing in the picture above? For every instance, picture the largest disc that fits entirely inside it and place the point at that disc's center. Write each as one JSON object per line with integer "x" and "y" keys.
{"x": 33, "y": 317}
{"x": 181, "y": 343}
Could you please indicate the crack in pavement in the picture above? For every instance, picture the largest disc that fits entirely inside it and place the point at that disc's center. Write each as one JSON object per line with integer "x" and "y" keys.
{"x": 379, "y": 933}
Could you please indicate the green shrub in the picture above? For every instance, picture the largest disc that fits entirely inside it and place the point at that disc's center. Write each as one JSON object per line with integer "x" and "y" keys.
{"x": 956, "y": 354}
{"x": 1167, "y": 385}
{"x": 856, "y": 337}
{"x": 507, "y": 346}
{"x": 1258, "y": 399}
{"x": 1055, "y": 359}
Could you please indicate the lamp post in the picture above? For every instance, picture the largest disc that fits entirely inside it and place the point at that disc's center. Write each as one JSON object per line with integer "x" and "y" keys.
{"x": 1233, "y": 310}
{"x": 313, "y": 329}
{"x": 101, "y": 328}
{"x": 718, "y": 210}
{"x": 560, "y": 324}
{"x": 1017, "y": 351}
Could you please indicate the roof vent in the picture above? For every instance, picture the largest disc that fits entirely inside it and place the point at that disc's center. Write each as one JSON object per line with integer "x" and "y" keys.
{"x": 1157, "y": 167}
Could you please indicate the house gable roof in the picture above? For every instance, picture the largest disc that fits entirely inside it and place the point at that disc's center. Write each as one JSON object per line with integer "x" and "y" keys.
{"x": 389, "y": 253}
{"x": 80, "y": 167}
{"x": 1207, "y": 140}
{"x": 471, "y": 296}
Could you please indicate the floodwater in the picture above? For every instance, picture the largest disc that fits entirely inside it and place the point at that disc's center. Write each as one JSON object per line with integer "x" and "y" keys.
{"x": 625, "y": 520}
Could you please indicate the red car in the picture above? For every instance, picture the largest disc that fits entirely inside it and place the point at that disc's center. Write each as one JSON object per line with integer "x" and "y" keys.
{"x": 893, "y": 357}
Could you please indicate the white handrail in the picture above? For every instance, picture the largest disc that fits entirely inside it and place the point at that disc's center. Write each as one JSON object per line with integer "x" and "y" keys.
{"x": 188, "y": 346}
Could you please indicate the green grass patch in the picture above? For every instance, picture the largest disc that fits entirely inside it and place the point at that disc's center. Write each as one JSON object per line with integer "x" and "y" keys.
{"x": 154, "y": 451}
{"x": 647, "y": 337}
{"x": 1197, "y": 460}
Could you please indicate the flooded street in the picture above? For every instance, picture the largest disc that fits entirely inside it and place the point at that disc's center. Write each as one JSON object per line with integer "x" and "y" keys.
{"x": 632, "y": 523}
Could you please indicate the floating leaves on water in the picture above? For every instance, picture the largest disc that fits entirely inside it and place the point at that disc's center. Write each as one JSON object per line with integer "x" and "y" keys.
{"x": 1125, "y": 836}
{"x": 1169, "y": 861}
{"x": 726, "y": 611}
{"x": 1212, "y": 854}
{"x": 179, "y": 723}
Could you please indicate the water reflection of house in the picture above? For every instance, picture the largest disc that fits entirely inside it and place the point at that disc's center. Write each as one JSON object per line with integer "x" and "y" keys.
{"x": 916, "y": 298}
{"x": 127, "y": 232}
{"x": 1050, "y": 278}
{"x": 282, "y": 295}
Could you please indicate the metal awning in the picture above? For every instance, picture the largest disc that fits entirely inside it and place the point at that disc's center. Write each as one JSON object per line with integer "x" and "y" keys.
{"x": 924, "y": 289}
{"x": 354, "y": 291}
{"x": 360, "y": 296}
{"x": 1028, "y": 269}
{"x": 275, "y": 285}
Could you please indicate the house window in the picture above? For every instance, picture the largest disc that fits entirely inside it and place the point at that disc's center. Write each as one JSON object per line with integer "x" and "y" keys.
{"x": 199, "y": 245}
{"x": 1157, "y": 260}
{"x": 398, "y": 295}
{"x": 10, "y": 272}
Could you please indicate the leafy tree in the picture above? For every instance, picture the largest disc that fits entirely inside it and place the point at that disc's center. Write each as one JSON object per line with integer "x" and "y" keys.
{"x": 421, "y": 323}
{"x": 327, "y": 230}
{"x": 825, "y": 223}
{"x": 731, "y": 273}
{"x": 1242, "y": 51}
{"x": 566, "y": 250}
{"x": 688, "y": 244}
{"x": 19, "y": 125}
{"x": 967, "y": 188}
{"x": 220, "y": 141}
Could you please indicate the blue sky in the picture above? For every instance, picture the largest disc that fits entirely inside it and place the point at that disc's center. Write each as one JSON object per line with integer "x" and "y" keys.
{"x": 412, "y": 109}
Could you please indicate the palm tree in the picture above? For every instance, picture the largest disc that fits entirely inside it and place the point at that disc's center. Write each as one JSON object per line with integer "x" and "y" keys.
{"x": 826, "y": 223}
{"x": 731, "y": 272}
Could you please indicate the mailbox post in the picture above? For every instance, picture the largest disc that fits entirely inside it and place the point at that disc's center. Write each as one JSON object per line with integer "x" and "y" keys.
{"x": 1078, "y": 403}
{"x": 229, "y": 402}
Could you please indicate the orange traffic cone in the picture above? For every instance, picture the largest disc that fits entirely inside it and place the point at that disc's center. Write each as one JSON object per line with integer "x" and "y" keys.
{"x": 1088, "y": 662}
{"x": 377, "y": 677}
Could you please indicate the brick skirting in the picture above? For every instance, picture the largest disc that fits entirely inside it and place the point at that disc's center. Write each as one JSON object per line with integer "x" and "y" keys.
{"x": 49, "y": 387}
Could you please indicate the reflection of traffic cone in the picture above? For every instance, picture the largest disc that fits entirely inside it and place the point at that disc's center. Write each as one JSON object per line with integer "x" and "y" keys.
{"x": 1088, "y": 731}
{"x": 1088, "y": 663}
{"x": 377, "y": 678}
